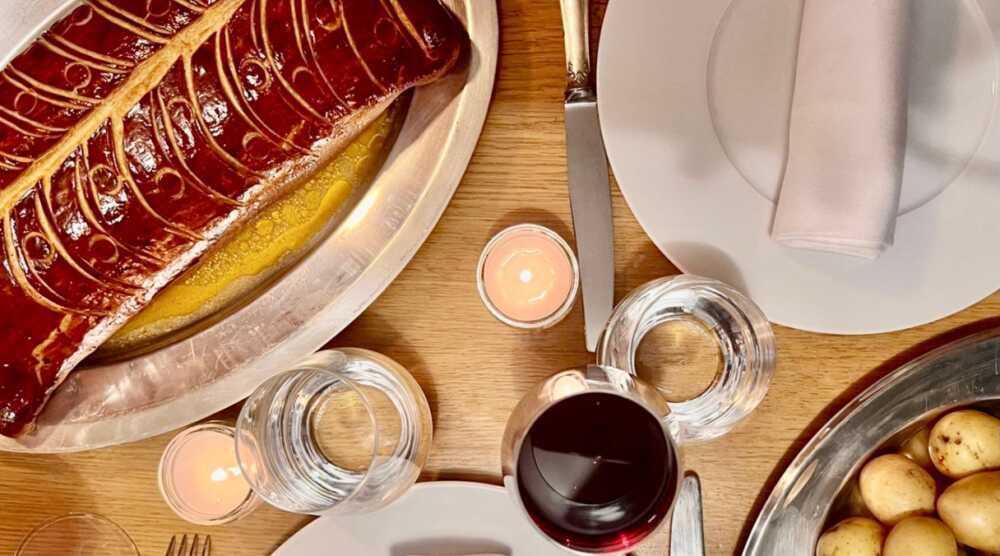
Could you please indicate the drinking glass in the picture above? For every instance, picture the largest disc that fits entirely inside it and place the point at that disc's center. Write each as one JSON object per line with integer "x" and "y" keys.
{"x": 735, "y": 324}
{"x": 592, "y": 455}
{"x": 345, "y": 431}
{"x": 588, "y": 457}
{"x": 78, "y": 534}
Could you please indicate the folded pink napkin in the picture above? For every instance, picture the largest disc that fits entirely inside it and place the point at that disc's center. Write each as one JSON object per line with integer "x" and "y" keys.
{"x": 847, "y": 135}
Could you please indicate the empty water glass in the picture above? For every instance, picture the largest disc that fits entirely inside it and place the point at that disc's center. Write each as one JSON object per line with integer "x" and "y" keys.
{"x": 345, "y": 431}
{"x": 741, "y": 333}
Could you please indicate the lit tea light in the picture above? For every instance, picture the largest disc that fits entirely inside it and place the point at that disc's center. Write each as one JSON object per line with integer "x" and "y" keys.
{"x": 528, "y": 276}
{"x": 200, "y": 477}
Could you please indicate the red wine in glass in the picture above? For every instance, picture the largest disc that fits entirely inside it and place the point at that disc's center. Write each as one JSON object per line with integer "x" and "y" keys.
{"x": 597, "y": 473}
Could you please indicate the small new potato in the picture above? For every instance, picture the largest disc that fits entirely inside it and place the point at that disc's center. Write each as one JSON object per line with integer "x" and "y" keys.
{"x": 855, "y": 536}
{"x": 853, "y": 504}
{"x": 971, "y": 508}
{"x": 917, "y": 448}
{"x": 920, "y": 536}
{"x": 965, "y": 442}
{"x": 894, "y": 488}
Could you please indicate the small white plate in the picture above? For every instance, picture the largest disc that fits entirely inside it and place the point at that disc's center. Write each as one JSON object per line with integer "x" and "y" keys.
{"x": 432, "y": 518}
{"x": 694, "y": 101}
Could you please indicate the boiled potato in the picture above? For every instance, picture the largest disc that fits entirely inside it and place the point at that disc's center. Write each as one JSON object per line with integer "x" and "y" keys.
{"x": 965, "y": 442}
{"x": 851, "y": 502}
{"x": 971, "y": 507}
{"x": 920, "y": 536}
{"x": 917, "y": 448}
{"x": 855, "y": 536}
{"x": 894, "y": 488}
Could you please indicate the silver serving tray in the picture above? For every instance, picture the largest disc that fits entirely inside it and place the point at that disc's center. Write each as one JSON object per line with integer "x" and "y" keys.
{"x": 170, "y": 387}
{"x": 966, "y": 372}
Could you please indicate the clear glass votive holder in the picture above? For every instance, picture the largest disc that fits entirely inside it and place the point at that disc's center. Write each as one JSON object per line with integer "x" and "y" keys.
{"x": 345, "y": 431}
{"x": 200, "y": 478}
{"x": 528, "y": 277}
{"x": 741, "y": 330}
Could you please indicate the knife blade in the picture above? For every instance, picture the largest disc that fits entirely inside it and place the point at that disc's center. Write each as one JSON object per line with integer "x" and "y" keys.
{"x": 687, "y": 535}
{"x": 587, "y": 172}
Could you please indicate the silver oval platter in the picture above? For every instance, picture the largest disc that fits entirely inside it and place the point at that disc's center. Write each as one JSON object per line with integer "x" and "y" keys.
{"x": 964, "y": 373}
{"x": 154, "y": 392}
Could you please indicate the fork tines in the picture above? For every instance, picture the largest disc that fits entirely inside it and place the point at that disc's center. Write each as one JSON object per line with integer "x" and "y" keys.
{"x": 198, "y": 546}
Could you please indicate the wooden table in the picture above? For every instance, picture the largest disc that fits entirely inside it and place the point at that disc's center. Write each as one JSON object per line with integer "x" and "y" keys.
{"x": 474, "y": 369}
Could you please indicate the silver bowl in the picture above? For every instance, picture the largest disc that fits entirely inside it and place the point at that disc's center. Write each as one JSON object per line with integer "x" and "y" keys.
{"x": 816, "y": 484}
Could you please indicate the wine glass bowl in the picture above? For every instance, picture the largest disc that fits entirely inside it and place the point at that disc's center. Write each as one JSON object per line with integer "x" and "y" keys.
{"x": 589, "y": 457}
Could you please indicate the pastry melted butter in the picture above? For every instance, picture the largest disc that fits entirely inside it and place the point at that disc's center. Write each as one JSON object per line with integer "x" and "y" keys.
{"x": 262, "y": 247}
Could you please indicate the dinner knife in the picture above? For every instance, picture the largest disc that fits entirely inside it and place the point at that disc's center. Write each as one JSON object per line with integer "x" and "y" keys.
{"x": 687, "y": 535}
{"x": 587, "y": 169}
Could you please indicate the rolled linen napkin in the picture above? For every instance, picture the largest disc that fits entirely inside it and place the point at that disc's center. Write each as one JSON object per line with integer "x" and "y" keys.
{"x": 847, "y": 135}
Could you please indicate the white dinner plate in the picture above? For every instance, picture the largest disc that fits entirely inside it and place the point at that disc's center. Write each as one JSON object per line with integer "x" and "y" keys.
{"x": 432, "y": 518}
{"x": 694, "y": 102}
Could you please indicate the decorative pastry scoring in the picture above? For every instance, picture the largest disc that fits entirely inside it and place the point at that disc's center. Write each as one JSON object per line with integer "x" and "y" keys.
{"x": 235, "y": 121}
{"x": 74, "y": 65}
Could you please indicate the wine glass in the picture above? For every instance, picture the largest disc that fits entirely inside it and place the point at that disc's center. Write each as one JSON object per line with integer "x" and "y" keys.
{"x": 78, "y": 534}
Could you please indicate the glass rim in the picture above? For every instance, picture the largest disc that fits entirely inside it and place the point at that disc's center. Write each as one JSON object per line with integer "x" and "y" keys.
{"x": 24, "y": 544}
{"x": 169, "y": 493}
{"x": 742, "y": 381}
{"x": 557, "y": 315}
{"x": 373, "y": 423}
{"x": 365, "y": 475}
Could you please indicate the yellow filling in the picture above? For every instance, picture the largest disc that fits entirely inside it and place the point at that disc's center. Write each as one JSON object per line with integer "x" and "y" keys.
{"x": 265, "y": 245}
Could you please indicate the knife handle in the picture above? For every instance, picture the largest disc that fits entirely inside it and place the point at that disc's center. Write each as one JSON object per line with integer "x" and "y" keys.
{"x": 576, "y": 34}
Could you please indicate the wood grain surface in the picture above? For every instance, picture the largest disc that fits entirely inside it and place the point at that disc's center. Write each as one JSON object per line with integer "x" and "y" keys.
{"x": 474, "y": 369}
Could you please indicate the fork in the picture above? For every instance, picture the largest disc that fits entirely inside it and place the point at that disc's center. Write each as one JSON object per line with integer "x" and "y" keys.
{"x": 182, "y": 548}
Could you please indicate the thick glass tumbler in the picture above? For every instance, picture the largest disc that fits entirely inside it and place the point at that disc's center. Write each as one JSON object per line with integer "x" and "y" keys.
{"x": 344, "y": 431}
{"x": 738, "y": 327}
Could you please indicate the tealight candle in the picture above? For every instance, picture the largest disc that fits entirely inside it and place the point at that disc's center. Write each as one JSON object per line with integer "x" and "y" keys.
{"x": 528, "y": 276}
{"x": 200, "y": 477}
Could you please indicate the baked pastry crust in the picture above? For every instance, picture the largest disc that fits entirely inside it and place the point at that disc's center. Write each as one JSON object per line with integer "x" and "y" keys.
{"x": 148, "y": 166}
